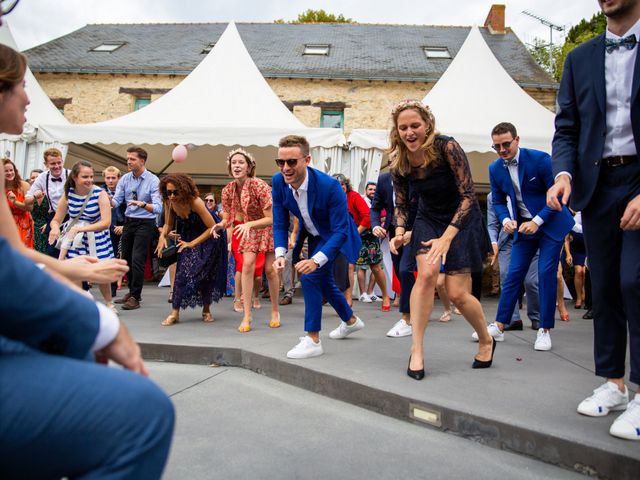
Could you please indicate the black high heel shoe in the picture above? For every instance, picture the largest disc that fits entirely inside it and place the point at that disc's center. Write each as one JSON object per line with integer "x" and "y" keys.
{"x": 415, "y": 374}
{"x": 482, "y": 364}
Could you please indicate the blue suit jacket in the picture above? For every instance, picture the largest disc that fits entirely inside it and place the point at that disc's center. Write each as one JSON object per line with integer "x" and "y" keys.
{"x": 40, "y": 312}
{"x": 327, "y": 205}
{"x": 581, "y": 118}
{"x": 534, "y": 172}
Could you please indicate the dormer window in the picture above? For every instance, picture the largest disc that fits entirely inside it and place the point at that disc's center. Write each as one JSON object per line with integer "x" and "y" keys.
{"x": 208, "y": 48}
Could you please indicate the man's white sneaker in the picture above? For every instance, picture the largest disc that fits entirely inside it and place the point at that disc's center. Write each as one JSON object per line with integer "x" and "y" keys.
{"x": 493, "y": 330}
{"x": 344, "y": 330}
{"x": 307, "y": 348}
{"x": 543, "y": 341}
{"x": 375, "y": 298}
{"x": 605, "y": 398}
{"x": 400, "y": 329}
{"x": 627, "y": 425}
{"x": 364, "y": 298}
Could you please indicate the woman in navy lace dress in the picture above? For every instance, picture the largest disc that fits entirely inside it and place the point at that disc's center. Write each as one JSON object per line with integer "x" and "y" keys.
{"x": 448, "y": 228}
{"x": 201, "y": 271}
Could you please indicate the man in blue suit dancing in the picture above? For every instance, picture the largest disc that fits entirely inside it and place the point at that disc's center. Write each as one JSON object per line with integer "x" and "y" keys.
{"x": 524, "y": 176}
{"x": 595, "y": 161}
{"x": 321, "y": 207}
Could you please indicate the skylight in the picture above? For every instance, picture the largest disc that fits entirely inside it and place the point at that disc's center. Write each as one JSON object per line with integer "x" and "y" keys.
{"x": 436, "y": 52}
{"x": 316, "y": 49}
{"x": 107, "y": 47}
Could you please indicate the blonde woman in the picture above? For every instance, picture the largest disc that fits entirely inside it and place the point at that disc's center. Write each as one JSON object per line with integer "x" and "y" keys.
{"x": 448, "y": 228}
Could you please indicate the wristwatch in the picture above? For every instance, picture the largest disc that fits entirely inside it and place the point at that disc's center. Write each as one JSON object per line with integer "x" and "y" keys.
{"x": 144, "y": 204}
{"x": 316, "y": 262}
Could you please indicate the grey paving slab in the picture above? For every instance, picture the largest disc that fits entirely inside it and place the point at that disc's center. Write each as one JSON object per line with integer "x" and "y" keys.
{"x": 234, "y": 423}
{"x": 526, "y": 402}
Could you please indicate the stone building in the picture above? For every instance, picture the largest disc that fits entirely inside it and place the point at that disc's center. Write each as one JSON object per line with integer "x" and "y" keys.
{"x": 330, "y": 75}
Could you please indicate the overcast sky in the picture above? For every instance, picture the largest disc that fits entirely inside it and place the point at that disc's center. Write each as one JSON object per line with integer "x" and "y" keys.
{"x": 34, "y": 22}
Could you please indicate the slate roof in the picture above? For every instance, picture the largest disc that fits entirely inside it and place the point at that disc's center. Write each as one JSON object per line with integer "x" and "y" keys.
{"x": 358, "y": 51}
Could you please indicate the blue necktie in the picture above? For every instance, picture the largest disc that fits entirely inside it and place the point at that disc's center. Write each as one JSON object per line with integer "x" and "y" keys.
{"x": 628, "y": 42}
{"x": 510, "y": 163}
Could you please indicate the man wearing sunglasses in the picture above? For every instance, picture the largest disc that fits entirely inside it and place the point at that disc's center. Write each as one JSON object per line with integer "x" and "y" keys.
{"x": 524, "y": 176}
{"x": 139, "y": 190}
{"x": 320, "y": 205}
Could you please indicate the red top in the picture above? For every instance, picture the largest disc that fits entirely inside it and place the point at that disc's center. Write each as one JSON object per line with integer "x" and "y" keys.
{"x": 358, "y": 209}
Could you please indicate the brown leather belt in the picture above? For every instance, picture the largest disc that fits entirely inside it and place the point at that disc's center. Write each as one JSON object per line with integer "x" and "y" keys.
{"x": 619, "y": 160}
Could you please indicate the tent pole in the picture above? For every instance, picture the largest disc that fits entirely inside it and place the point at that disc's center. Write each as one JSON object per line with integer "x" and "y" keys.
{"x": 165, "y": 167}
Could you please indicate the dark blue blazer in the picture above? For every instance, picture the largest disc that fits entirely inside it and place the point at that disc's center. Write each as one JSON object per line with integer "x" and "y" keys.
{"x": 581, "y": 118}
{"x": 327, "y": 204}
{"x": 534, "y": 172}
{"x": 40, "y": 312}
{"x": 383, "y": 200}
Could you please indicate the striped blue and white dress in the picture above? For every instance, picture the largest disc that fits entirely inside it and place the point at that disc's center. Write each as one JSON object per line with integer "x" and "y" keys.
{"x": 93, "y": 243}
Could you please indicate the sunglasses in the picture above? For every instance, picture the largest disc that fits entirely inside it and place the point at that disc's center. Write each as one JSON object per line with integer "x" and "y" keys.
{"x": 172, "y": 193}
{"x": 504, "y": 145}
{"x": 291, "y": 162}
{"x": 210, "y": 200}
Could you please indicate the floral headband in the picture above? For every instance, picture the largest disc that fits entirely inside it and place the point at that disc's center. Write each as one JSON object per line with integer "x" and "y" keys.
{"x": 248, "y": 157}
{"x": 418, "y": 105}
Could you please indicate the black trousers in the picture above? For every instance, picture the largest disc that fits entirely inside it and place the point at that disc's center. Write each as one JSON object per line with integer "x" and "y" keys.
{"x": 136, "y": 238}
{"x": 614, "y": 264}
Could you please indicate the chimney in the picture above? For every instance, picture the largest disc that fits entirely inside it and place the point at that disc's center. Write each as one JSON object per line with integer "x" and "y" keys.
{"x": 495, "y": 20}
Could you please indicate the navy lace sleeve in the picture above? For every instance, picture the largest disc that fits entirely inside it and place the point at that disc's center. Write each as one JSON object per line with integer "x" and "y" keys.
{"x": 401, "y": 190}
{"x": 464, "y": 182}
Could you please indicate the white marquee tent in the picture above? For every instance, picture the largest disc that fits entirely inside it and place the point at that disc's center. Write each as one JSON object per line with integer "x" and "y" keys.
{"x": 473, "y": 95}
{"x": 23, "y": 149}
{"x": 224, "y": 102}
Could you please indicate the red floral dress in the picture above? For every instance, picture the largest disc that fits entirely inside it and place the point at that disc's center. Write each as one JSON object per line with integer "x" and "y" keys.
{"x": 255, "y": 197}
{"x": 22, "y": 218}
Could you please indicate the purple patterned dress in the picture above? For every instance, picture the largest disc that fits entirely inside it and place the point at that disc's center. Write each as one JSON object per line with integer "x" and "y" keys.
{"x": 201, "y": 273}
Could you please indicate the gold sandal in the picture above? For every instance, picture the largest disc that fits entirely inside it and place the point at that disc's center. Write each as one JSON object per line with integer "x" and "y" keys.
{"x": 170, "y": 320}
{"x": 207, "y": 317}
{"x": 244, "y": 328}
{"x": 275, "y": 323}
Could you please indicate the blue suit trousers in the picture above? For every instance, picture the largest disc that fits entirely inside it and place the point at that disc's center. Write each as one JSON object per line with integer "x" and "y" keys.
{"x": 62, "y": 417}
{"x": 318, "y": 285}
{"x": 530, "y": 282}
{"x": 523, "y": 252}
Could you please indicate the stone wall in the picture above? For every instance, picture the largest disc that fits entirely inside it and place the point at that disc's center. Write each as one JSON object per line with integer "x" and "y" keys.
{"x": 366, "y": 104}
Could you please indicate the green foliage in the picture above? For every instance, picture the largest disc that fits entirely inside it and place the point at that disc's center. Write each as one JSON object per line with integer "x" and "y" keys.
{"x": 580, "y": 33}
{"x": 320, "y": 16}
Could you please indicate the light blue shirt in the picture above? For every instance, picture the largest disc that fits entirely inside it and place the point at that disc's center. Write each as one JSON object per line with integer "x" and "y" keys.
{"x": 146, "y": 188}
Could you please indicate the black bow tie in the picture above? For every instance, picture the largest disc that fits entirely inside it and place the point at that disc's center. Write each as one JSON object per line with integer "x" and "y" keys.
{"x": 510, "y": 163}
{"x": 628, "y": 42}
{"x": 59, "y": 179}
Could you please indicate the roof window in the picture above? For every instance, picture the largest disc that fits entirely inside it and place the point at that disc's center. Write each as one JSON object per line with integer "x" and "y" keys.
{"x": 107, "y": 47}
{"x": 316, "y": 49}
{"x": 208, "y": 48}
{"x": 436, "y": 52}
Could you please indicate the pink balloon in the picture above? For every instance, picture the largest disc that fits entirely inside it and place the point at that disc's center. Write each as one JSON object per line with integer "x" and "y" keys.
{"x": 179, "y": 154}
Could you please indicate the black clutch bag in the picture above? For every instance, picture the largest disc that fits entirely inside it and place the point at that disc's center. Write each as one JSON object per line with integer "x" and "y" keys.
{"x": 169, "y": 256}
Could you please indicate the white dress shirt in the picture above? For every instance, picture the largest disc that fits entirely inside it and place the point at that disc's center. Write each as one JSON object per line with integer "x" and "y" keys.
{"x": 618, "y": 76}
{"x": 301, "y": 197}
{"x": 618, "y": 73}
{"x": 55, "y": 190}
{"x": 522, "y": 208}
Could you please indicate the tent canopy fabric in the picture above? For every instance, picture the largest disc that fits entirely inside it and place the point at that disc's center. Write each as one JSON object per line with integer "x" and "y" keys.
{"x": 476, "y": 93}
{"x": 223, "y": 101}
{"x": 41, "y": 110}
{"x": 472, "y": 96}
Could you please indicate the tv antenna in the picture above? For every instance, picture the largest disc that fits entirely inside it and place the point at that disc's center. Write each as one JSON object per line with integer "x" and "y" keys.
{"x": 552, "y": 26}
